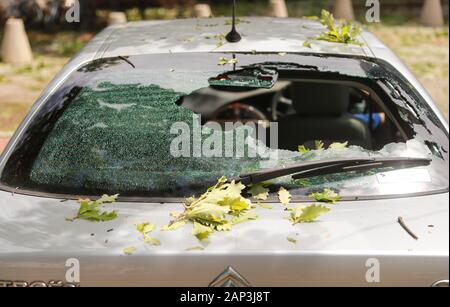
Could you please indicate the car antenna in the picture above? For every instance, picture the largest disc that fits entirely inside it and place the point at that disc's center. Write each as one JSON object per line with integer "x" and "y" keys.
{"x": 233, "y": 36}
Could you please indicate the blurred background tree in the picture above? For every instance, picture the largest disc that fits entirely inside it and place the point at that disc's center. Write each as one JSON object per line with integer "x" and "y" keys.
{"x": 49, "y": 14}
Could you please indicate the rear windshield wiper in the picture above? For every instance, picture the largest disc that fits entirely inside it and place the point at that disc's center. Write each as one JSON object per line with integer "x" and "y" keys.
{"x": 319, "y": 168}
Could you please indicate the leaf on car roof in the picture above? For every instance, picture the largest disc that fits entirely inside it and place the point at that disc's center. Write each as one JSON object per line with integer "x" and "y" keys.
{"x": 302, "y": 214}
{"x": 220, "y": 40}
{"x": 224, "y": 61}
{"x": 344, "y": 32}
{"x": 327, "y": 196}
{"x": 284, "y": 196}
{"x": 89, "y": 210}
{"x": 229, "y": 22}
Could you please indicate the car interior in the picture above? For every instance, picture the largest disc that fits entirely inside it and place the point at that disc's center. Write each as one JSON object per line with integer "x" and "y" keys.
{"x": 305, "y": 110}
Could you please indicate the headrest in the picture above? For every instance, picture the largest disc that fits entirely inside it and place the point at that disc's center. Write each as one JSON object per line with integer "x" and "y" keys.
{"x": 320, "y": 99}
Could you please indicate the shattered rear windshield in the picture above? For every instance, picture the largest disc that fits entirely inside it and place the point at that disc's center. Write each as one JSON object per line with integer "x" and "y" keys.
{"x": 155, "y": 126}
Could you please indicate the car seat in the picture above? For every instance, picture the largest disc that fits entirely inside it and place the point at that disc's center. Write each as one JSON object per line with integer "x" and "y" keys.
{"x": 321, "y": 114}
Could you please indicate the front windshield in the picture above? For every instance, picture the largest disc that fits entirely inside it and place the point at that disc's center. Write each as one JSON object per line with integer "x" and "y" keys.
{"x": 155, "y": 127}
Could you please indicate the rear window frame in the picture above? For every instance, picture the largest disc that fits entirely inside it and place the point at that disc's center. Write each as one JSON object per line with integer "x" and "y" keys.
{"x": 48, "y": 105}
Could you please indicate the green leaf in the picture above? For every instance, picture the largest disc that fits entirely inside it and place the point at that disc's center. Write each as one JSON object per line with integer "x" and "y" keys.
{"x": 202, "y": 232}
{"x": 308, "y": 214}
{"x": 99, "y": 217}
{"x": 173, "y": 226}
{"x": 319, "y": 145}
{"x": 224, "y": 227}
{"x": 303, "y": 150}
{"x": 84, "y": 206}
{"x": 327, "y": 196}
{"x": 284, "y": 196}
{"x": 208, "y": 212}
{"x": 239, "y": 204}
{"x": 215, "y": 210}
{"x": 145, "y": 228}
{"x": 259, "y": 192}
{"x": 89, "y": 209}
{"x": 307, "y": 44}
{"x": 292, "y": 240}
{"x": 338, "y": 146}
{"x": 344, "y": 32}
{"x": 234, "y": 190}
{"x": 265, "y": 206}
{"x": 152, "y": 241}
{"x": 129, "y": 250}
{"x": 224, "y": 61}
{"x": 95, "y": 215}
{"x": 244, "y": 217}
{"x": 106, "y": 216}
{"x": 106, "y": 199}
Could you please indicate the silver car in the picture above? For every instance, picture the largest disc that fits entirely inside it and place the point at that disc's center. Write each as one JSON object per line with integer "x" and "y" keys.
{"x": 349, "y": 119}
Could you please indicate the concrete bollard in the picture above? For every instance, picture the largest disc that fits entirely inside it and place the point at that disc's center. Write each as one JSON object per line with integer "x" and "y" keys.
{"x": 343, "y": 9}
{"x": 117, "y": 18}
{"x": 278, "y": 8}
{"x": 16, "y": 47}
{"x": 202, "y": 10}
{"x": 432, "y": 14}
{"x": 68, "y": 3}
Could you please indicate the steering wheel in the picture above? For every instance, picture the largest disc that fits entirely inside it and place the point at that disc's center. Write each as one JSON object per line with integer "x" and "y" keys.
{"x": 239, "y": 112}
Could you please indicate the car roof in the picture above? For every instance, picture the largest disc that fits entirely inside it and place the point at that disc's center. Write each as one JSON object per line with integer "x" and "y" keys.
{"x": 261, "y": 34}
